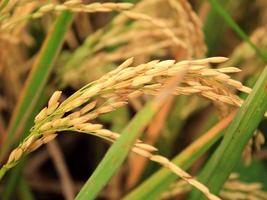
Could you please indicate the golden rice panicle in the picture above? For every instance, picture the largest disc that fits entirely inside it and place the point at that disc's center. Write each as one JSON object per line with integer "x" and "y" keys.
{"x": 113, "y": 91}
{"x": 117, "y": 86}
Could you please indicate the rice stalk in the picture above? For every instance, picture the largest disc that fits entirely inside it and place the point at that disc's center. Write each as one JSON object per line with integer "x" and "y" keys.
{"x": 143, "y": 31}
{"x": 114, "y": 89}
{"x": 107, "y": 167}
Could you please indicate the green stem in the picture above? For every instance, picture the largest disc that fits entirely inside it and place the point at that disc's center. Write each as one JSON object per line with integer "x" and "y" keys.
{"x": 223, "y": 13}
{"x": 37, "y": 79}
{"x": 13, "y": 180}
{"x": 3, "y": 171}
{"x": 25, "y": 191}
{"x": 116, "y": 154}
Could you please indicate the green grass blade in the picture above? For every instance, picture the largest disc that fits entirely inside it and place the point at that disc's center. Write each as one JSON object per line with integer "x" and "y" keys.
{"x": 120, "y": 149}
{"x": 116, "y": 154}
{"x": 24, "y": 190}
{"x": 227, "y": 155}
{"x": 3, "y": 4}
{"x": 215, "y": 27}
{"x": 223, "y": 13}
{"x": 161, "y": 180}
{"x": 38, "y": 77}
{"x": 13, "y": 181}
{"x": 31, "y": 99}
{"x": 16, "y": 174}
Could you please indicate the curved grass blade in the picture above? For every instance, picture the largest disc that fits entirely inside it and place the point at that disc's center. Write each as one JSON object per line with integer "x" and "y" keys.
{"x": 215, "y": 27}
{"x": 229, "y": 152}
{"x": 31, "y": 98}
{"x": 13, "y": 181}
{"x": 3, "y": 4}
{"x": 120, "y": 149}
{"x": 16, "y": 174}
{"x": 116, "y": 154}
{"x": 223, "y": 13}
{"x": 38, "y": 77}
{"x": 24, "y": 190}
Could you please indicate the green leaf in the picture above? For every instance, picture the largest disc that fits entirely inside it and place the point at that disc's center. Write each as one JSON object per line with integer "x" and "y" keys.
{"x": 120, "y": 149}
{"x": 16, "y": 175}
{"x": 228, "y": 154}
{"x": 24, "y": 190}
{"x": 215, "y": 27}
{"x": 13, "y": 181}
{"x": 116, "y": 154}
{"x": 228, "y": 19}
{"x": 38, "y": 77}
{"x": 254, "y": 172}
{"x": 31, "y": 98}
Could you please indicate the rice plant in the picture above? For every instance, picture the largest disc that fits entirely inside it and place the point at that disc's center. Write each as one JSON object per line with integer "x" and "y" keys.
{"x": 132, "y": 100}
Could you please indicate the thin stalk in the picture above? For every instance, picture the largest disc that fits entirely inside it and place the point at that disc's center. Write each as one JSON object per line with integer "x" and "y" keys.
{"x": 37, "y": 79}
{"x": 13, "y": 181}
{"x": 224, "y": 14}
